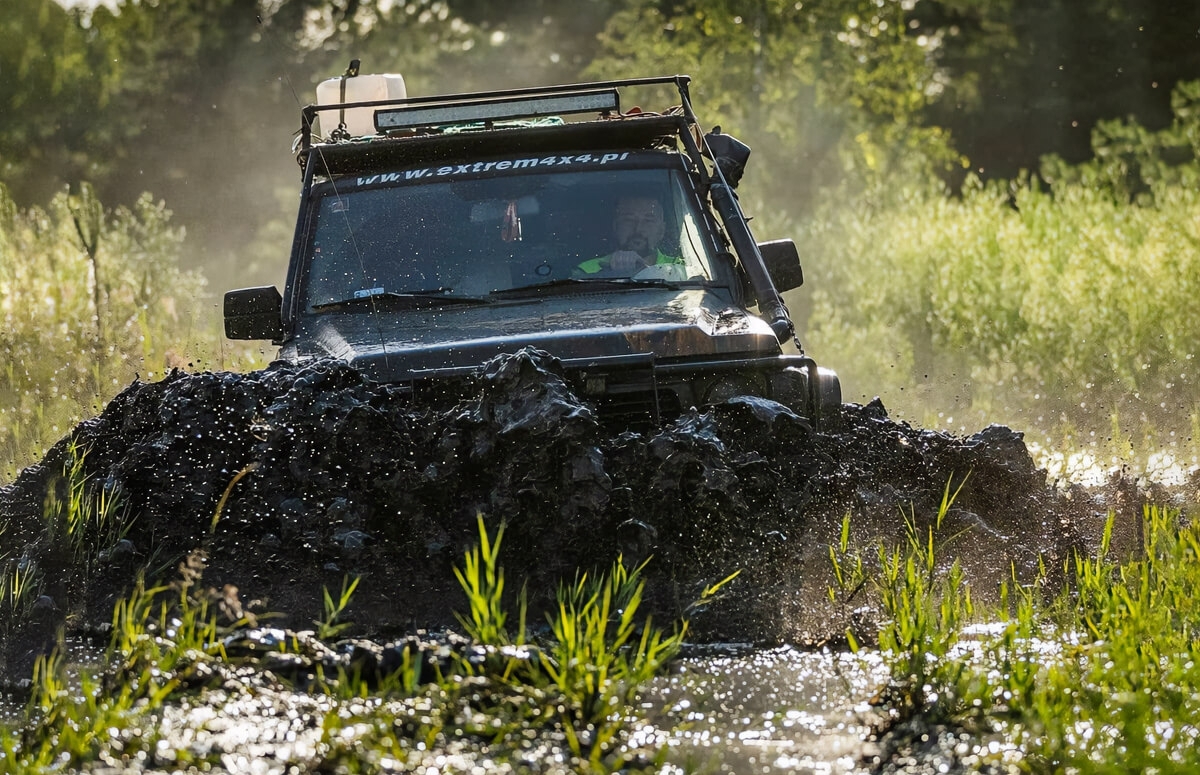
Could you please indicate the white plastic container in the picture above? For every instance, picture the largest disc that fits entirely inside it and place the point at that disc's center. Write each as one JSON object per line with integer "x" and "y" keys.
{"x": 358, "y": 88}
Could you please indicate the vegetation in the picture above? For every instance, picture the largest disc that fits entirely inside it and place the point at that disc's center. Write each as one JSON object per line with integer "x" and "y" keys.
{"x": 91, "y": 299}
{"x": 1056, "y": 298}
{"x": 83, "y": 521}
{"x": 1022, "y": 303}
{"x": 570, "y": 693}
{"x": 178, "y": 98}
{"x": 996, "y": 203}
{"x": 1100, "y": 676}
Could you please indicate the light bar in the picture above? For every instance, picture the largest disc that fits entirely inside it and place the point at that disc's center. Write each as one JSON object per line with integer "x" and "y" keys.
{"x": 496, "y": 110}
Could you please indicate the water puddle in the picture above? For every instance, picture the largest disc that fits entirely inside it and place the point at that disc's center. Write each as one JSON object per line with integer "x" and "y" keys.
{"x": 769, "y": 711}
{"x": 730, "y": 709}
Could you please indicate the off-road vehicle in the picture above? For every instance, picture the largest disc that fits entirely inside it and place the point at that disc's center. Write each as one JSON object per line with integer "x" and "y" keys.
{"x": 446, "y": 230}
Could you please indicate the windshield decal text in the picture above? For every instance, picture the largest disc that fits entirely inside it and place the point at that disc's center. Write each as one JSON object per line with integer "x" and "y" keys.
{"x": 487, "y": 166}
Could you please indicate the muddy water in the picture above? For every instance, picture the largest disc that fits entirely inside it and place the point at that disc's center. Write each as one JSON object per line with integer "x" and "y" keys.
{"x": 767, "y": 711}
{"x": 721, "y": 709}
{"x": 82, "y": 658}
{"x": 773, "y": 712}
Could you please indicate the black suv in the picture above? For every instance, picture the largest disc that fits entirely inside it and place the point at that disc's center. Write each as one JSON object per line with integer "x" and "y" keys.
{"x": 473, "y": 225}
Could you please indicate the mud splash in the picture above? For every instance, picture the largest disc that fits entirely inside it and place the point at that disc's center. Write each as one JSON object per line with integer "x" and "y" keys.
{"x": 328, "y": 475}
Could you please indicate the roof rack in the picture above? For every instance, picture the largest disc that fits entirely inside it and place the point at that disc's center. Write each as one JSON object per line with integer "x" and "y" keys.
{"x": 490, "y": 106}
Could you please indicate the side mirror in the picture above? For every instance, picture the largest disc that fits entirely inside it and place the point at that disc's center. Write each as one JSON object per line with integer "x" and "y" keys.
{"x": 783, "y": 263}
{"x": 254, "y": 313}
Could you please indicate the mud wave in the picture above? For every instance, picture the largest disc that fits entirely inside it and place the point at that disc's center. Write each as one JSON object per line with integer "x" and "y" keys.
{"x": 326, "y": 474}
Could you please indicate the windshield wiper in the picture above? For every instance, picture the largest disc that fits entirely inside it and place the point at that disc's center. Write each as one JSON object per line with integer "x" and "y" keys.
{"x": 585, "y": 284}
{"x": 434, "y": 297}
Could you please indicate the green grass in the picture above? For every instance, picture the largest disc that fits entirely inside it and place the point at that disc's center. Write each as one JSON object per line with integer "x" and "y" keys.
{"x": 1025, "y": 304}
{"x": 1102, "y": 676}
{"x": 926, "y": 606}
{"x": 331, "y": 624}
{"x": 83, "y": 524}
{"x": 1046, "y": 307}
{"x": 1125, "y": 690}
{"x": 510, "y": 696}
{"x": 599, "y": 653}
{"x": 16, "y": 587}
{"x": 86, "y": 519}
{"x": 160, "y": 636}
{"x": 483, "y": 581}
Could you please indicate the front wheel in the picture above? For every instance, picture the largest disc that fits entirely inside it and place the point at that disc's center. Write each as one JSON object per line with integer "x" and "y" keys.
{"x": 810, "y": 391}
{"x": 828, "y": 395}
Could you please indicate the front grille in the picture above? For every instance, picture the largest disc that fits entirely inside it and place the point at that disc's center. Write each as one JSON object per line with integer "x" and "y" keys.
{"x": 637, "y": 410}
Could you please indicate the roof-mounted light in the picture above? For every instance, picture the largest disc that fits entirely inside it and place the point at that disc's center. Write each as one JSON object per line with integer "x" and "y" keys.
{"x": 496, "y": 110}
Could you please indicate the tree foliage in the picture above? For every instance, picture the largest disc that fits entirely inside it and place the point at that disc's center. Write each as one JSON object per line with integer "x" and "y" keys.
{"x": 45, "y": 66}
{"x": 1131, "y": 162}
{"x": 835, "y": 88}
{"x": 1025, "y": 78}
{"x": 194, "y": 99}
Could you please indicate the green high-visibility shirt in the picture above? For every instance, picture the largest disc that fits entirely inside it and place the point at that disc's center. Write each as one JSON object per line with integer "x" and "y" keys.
{"x": 594, "y": 265}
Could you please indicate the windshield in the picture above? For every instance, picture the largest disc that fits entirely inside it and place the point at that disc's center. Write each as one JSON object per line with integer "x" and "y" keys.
{"x": 472, "y": 236}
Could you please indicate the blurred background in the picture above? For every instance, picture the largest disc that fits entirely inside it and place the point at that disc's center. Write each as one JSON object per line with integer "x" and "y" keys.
{"x": 997, "y": 202}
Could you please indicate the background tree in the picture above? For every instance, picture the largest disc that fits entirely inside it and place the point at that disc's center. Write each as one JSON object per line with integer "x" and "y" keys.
{"x": 47, "y": 94}
{"x": 831, "y": 88}
{"x": 195, "y": 101}
{"x": 1024, "y": 78}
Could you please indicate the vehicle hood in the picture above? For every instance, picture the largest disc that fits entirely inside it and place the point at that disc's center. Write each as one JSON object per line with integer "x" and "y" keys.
{"x": 580, "y": 329}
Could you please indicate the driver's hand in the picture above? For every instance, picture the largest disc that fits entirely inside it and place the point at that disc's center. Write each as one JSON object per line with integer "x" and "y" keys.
{"x": 626, "y": 261}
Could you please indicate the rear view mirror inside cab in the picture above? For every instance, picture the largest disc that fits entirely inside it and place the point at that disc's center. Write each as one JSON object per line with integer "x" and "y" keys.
{"x": 495, "y": 210}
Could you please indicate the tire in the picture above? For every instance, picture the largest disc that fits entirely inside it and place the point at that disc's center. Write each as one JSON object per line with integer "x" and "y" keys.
{"x": 829, "y": 397}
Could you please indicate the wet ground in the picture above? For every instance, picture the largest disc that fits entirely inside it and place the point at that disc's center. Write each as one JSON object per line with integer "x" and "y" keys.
{"x": 721, "y": 709}
{"x": 292, "y": 479}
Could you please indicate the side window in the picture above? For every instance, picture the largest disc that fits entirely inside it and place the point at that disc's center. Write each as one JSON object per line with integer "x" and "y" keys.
{"x": 334, "y": 269}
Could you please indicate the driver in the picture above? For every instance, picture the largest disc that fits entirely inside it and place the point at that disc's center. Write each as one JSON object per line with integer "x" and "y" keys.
{"x": 638, "y": 229}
